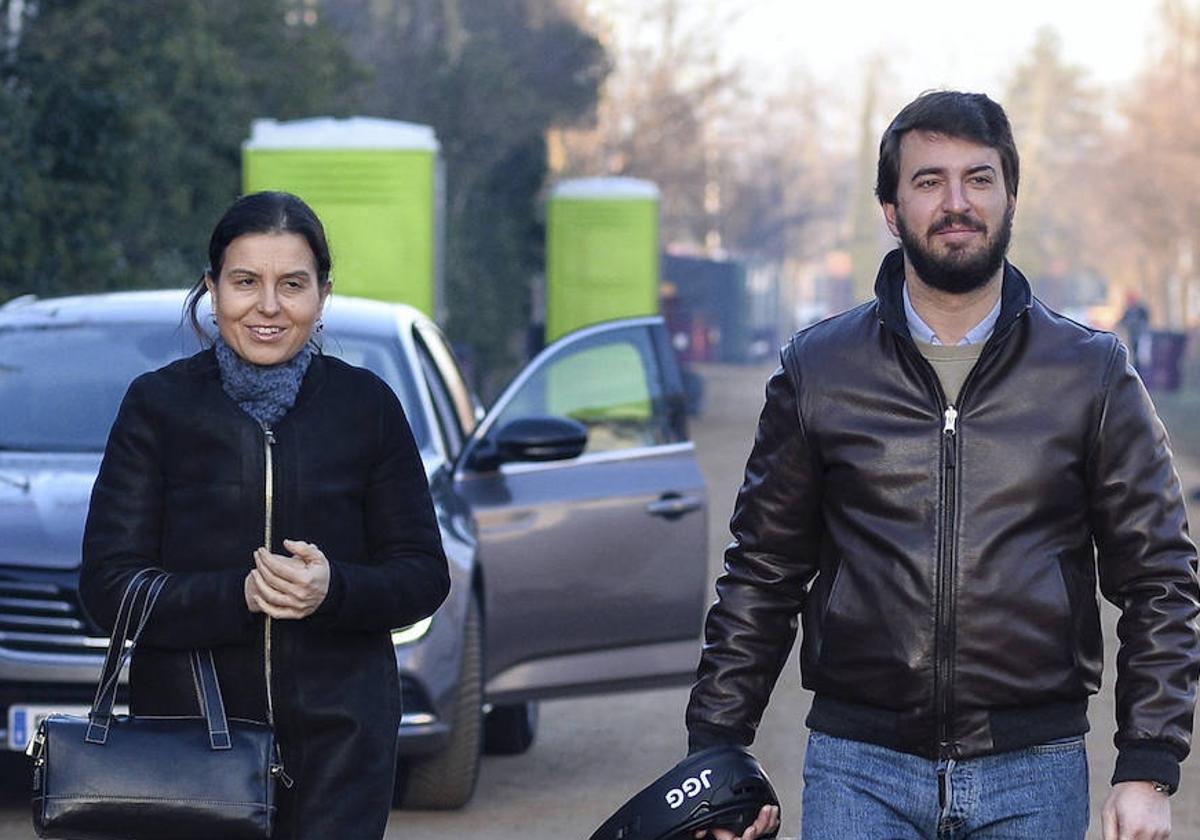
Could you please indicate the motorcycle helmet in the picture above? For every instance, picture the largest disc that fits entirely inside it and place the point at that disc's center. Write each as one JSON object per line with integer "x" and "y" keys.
{"x": 720, "y": 787}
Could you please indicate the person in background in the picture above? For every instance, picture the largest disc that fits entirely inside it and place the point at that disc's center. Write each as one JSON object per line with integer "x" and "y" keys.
{"x": 284, "y": 493}
{"x": 1135, "y": 322}
{"x": 939, "y": 480}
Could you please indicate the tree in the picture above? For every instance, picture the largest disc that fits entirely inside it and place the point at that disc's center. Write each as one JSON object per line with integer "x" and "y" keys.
{"x": 741, "y": 171}
{"x": 866, "y": 219}
{"x": 491, "y": 78}
{"x": 1153, "y": 173}
{"x": 125, "y": 153}
{"x": 664, "y": 111}
{"x": 782, "y": 184}
{"x": 20, "y": 186}
{"x": 1056, "y": 121}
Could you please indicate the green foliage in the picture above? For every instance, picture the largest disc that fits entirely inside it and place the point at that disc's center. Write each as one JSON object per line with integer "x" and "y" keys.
{"x": 490, "y": 265}
{"x": 121, "y": 123}
{"x": 122, "y": 132}
{"x": 19, "y": 191}
{"x": 490, "y": 78}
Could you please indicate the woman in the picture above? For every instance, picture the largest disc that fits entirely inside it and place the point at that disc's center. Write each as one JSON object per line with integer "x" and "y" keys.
{"x": 283, "y": 491}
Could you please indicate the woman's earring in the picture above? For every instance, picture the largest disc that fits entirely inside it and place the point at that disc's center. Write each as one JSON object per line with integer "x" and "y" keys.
{"x": 320, "y": 326}
{"x": 214, "y": 318}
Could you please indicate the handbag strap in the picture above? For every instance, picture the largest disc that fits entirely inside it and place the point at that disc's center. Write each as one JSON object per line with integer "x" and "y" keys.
{"x": 208, "y": 693}
{"x": 118, "y": 653}
{"x": 141, "y": 594}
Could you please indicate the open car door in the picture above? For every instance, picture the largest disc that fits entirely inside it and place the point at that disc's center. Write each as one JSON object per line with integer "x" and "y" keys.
{"x": 590, "y": 512}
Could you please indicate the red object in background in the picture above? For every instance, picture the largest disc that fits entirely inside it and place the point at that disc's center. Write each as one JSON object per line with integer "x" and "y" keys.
{"x": 700, "y": 350}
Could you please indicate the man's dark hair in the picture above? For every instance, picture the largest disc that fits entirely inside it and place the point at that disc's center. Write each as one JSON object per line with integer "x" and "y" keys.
{"x": 969, "y": 116}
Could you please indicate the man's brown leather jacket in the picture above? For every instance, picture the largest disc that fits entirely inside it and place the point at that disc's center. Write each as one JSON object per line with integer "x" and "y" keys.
{"x": 944, "y": 558}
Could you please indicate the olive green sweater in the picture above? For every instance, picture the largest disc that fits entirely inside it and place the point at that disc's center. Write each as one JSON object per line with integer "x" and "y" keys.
{"x": 952, "y": 364}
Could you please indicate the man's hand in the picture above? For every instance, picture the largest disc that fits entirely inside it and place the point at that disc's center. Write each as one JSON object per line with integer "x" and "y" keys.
{"x": 288, "y": 587}
{"x": 1136, "y": 811}
{"x": 768, "y": 821}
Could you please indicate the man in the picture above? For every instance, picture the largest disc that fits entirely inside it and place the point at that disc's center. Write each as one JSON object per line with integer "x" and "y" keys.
{"x": 938, "y": 480}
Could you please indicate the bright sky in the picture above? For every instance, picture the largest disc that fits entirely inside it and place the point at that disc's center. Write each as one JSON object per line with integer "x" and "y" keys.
{"x": 933, "y": 43}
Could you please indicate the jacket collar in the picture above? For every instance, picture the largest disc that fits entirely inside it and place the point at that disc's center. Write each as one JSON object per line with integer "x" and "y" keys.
{"x": 1016, "y": 296}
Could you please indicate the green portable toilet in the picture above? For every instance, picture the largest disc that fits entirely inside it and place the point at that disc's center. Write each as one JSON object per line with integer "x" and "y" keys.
{"x": 377, "y": 186}
{"x": 602, "y": 252}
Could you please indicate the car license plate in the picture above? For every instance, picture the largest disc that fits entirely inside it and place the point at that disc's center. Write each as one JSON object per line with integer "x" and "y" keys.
{"x": 24, "y": 719}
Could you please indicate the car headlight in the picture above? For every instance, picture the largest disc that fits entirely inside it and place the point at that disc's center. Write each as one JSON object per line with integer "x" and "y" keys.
{"x": 411, "y": 633}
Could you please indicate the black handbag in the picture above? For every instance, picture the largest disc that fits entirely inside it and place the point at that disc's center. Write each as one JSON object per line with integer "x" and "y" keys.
{"x": 133, "y": 777}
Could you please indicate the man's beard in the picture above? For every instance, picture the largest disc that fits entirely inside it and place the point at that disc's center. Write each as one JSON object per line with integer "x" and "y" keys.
{"x": 959, "y": 271}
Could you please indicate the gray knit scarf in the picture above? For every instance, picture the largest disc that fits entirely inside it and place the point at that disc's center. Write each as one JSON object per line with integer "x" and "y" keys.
{"x": 265, "y": 392}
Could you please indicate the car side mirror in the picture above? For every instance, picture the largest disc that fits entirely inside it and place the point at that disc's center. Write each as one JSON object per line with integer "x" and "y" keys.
{"x": 537, "y": 438}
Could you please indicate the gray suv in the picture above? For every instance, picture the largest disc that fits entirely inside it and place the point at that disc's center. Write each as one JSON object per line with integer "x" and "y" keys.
{"x": 573, "y": 513}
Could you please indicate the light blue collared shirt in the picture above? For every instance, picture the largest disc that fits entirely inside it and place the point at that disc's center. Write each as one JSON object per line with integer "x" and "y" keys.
{"x": 923, "y": 332}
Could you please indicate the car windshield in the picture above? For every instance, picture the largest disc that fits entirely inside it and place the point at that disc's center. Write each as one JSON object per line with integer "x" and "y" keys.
{"x": 61, "y": 385}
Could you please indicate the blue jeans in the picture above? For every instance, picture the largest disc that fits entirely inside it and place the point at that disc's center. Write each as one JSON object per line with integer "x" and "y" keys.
{"x": 859, "y": 791}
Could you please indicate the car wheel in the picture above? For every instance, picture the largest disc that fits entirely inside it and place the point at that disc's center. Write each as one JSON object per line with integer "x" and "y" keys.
{"x": 510, "y": 729}
{"x": 446, "y": 780}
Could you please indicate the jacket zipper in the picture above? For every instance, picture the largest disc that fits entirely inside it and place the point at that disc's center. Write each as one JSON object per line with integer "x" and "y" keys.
{"x": 944, "y": 599}
{"x": 945, "y": 602}
{"x": 269, "y": 493}
{"x": 945, "y": 607}
{"x": 269, "y": 484}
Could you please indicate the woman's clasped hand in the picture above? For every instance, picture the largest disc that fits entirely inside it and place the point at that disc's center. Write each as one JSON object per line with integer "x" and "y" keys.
{"x": 290, "y": 586}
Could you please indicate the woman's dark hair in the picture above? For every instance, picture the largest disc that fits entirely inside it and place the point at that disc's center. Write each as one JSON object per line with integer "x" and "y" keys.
{"x": 969, "y": 116}
{"x": 260, "y": 212}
